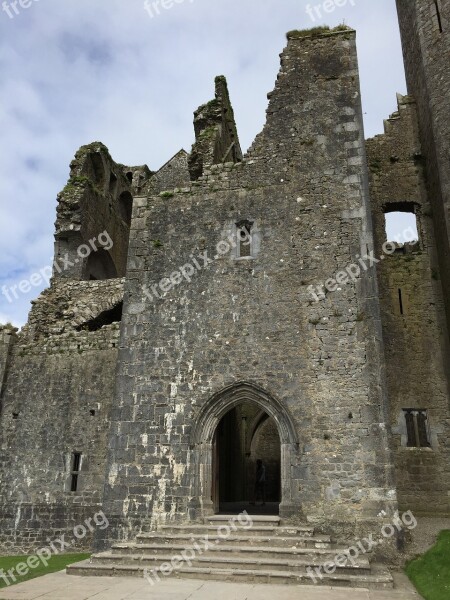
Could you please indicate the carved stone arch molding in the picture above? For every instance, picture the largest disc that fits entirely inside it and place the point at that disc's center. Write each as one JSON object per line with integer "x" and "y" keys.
{"x": 209, "y": 417}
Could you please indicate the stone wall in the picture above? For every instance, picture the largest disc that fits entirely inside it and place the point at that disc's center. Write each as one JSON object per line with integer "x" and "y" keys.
{"x": 56, "y": 401}
{"x": 7, "y": 340}
{"x": 266, "y": 447}
{"x": 414, "y": 331}
{"x": 426, "y": 50}
{"x": 304, "y": 188}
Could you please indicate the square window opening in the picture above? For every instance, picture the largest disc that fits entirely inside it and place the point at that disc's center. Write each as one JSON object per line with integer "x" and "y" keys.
{"x": 417, "y": 428}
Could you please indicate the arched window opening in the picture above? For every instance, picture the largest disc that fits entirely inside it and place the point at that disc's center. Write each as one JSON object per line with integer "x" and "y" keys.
{"x": 98, "y": 171}
{"x": 100, "y": 266}
{"x": 113, "y": 184}
{"x": 126, "y": 207}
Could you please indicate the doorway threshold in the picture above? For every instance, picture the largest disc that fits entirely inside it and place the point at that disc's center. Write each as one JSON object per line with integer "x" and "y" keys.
{"x": 234, "y": 508}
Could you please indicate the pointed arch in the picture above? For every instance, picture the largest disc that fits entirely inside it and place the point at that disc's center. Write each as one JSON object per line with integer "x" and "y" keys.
{"x": 224, "y": 400}
{"x": 202, "y": 439}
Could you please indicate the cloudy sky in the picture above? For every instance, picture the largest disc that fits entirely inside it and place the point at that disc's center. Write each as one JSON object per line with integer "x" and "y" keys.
{"x": 76, "y": 71}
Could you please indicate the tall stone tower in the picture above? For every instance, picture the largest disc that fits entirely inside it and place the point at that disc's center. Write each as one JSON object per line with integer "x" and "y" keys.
{"x": 425, "y": 31}
{"x": 210, "y": 324}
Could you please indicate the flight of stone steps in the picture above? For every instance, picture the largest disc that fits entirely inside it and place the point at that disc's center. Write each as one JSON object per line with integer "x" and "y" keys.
{"x": 266, "y": 552}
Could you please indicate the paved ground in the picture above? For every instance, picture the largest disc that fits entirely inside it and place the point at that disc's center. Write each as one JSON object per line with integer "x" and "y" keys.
{"x": 425, "y": 534}
{"x": 60, "y": 586}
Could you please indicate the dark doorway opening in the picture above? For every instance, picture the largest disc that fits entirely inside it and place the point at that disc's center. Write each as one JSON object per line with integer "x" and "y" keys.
{"x": 245, "y": 435}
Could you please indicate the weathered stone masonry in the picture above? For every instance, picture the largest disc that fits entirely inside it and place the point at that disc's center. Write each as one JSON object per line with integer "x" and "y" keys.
{"x": 414, "y": 328}
{"x": 304, "y": 188}
{"x": 141, "y": 347}
{"x": 424, "y": 27}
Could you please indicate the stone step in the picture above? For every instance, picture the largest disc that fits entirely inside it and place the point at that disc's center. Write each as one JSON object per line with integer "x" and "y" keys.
{"x": 254, "y": 551}
{"x": 260, "y": 519}
{"x": 381, "y": 579}
{"x": 317, "y": 541}
{"x": 231, "y": 562}
{"x": 255, "y": 530}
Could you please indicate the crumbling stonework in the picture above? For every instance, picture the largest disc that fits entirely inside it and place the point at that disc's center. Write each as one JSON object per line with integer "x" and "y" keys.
{"x": 424, "y": 27}
{"x": 413, "y": 313}
{"x": 215, "y": 133}
{"x": 58, "y": 391}
{"x": 194, "y": 335}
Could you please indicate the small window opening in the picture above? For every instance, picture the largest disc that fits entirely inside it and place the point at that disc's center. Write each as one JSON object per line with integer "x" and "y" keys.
{"x": 15, "y": 416}
{"x": 112, "y": 184}
{"x": 76, "y": 464}
{"x": 98, "y": 170}
{"x": 126, "y": 207}
{"x": 92, "y": 412}
{"x": 130, "y": 176}
{"x": 417, "y": 430}
{"x": 438, "y": 15}
{"x": 401, "y": 224}
{"x": 400, "y": 301}
{"x": 99, "y": 266}
{"x": 244, "y": 233}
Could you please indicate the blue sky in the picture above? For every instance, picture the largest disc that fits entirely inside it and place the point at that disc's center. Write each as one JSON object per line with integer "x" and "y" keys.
{"x": 75, "y": 71}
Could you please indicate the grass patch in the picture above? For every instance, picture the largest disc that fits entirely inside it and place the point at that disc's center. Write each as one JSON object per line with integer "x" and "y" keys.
{"x": 76, "y": 182}
{"x": 430, "y": 573}
{"x": 56, "y": 563}
{"x": 296, "y": 34}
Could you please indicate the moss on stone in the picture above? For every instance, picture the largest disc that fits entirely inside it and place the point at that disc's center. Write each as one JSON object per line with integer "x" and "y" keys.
{"x": 375, "y": 166}
{"x": 93, "y": 147}
{"x": 76, "y": 183}
{"x": 80, "y": 156}
{"x": 208, "y": 132}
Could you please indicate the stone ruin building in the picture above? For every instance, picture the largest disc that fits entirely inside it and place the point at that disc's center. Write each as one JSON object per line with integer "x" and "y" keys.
{"x": 155, "y": 370}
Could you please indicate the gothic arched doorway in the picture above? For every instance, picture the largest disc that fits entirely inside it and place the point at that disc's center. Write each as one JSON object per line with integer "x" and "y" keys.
{"x": 246, "y": 437}
{"x": 270, "y": 436}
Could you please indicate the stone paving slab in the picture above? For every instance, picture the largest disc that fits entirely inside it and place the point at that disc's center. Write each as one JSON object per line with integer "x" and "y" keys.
{"x": 59, "y": 586}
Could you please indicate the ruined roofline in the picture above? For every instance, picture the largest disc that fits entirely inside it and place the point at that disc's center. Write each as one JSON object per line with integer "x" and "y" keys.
{"x": 318, "y": 32}
{"x": 181, "y": 151}
{"x": 402, "y": 100}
